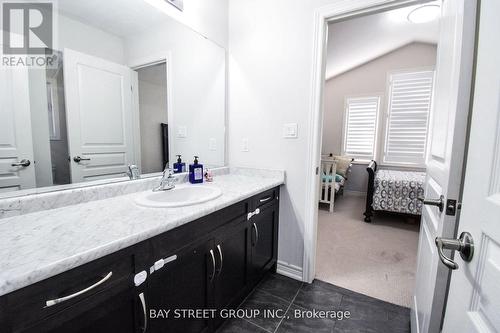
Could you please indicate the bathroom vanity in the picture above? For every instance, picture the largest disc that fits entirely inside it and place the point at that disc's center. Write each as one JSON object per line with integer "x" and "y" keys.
{"x": 119, "y": 276}
{"x": 82, "y": 247}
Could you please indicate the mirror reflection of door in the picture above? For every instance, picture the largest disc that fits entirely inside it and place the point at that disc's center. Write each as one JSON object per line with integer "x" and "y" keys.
{"x": 16, "y": 146}
{"x": 99, "y": 118}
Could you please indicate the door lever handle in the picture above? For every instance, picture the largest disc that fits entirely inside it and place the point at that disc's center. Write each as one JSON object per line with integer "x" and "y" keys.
{"x": 464, "y": 245}
{"x": 433, "y": 202}
{"x": 22, "y": 163}
{"x": 78, "y": 159}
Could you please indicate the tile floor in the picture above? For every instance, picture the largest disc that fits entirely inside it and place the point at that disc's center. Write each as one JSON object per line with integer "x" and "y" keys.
{"x": 367, "y": 314}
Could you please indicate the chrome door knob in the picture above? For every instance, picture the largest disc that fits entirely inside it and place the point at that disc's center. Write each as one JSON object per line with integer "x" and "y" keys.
{"x": 434, "y": 202}
{"x": 22, "y": 163}
{"x": 464, "y": 245}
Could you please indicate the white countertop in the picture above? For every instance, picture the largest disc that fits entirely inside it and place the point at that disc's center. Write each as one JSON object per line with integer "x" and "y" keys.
{"x": 39, "y": 245}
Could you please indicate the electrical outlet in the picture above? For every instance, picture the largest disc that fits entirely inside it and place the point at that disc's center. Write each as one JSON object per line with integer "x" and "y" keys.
{"x": 244, "y": 145}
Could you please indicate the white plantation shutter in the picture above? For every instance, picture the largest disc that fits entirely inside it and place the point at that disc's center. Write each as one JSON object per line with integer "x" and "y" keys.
{"x": 410, "y": 97}
{"x": 361, "y": 127}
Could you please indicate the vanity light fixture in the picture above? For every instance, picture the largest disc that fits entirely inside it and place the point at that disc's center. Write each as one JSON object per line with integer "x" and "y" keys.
{"x": 424, "y": 14}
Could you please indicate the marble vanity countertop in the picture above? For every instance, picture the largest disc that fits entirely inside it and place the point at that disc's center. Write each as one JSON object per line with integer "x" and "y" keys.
{"x": 42, "y": 244}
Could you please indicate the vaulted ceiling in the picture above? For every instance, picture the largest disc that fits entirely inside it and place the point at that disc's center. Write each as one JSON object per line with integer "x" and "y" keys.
{"x": 354, "y": 42}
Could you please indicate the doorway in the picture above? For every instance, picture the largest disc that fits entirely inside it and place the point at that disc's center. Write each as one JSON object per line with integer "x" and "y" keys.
{"x": 444, "y": 152}
{"x": 153, "y": 118}
{"x": 379, "y": 81}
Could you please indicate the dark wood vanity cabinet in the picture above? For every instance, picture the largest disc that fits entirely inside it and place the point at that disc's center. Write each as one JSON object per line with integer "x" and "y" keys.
{"x": 264, "y": 241}
{"x": 232, "y": 258}
{"x": 193, "y": 272}
{"x": 116, "y": 313}
{"x": 183, "y": 283}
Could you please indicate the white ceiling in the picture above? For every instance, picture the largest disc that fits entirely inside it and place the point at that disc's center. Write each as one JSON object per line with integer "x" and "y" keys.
{"x": 357, "y": 41}
{"x": 119, "y": 17}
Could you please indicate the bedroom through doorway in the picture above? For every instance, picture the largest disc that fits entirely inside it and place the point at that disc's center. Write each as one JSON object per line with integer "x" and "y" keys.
{"x": 379, "y": 82}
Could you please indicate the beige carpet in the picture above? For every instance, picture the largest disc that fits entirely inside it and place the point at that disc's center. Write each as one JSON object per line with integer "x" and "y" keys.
{"x": 377, "y": 259}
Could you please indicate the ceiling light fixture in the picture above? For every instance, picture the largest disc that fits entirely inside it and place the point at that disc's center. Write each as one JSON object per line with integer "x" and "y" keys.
{"x": 425, "y": 13}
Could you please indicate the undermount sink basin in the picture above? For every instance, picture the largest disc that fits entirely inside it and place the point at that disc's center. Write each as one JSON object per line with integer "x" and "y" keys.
{"x": 181, "y": 195}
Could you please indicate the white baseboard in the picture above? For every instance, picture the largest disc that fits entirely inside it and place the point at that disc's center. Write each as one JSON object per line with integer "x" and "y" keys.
{"x": 355, "y": 193}
{"x": 291, "y": 271}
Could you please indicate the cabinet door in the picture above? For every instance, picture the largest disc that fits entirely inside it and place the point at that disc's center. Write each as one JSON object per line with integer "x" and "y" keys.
{"x": 264, "y": 227}
{"x": 182, "y": 284}
{"x": 119, "y": 312}
{"x": 232, "y": 255}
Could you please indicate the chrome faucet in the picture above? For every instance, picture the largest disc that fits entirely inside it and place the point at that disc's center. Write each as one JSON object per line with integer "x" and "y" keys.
{"x": 133, "y": 172}
{"x": 167, "y": 181}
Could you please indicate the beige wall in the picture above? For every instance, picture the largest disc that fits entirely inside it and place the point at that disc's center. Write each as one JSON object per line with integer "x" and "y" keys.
{"x": 368, "y": 79}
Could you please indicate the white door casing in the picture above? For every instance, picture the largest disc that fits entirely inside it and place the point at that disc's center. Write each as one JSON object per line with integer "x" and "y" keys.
{"x": 99, "y": 116}
{"x": 15, "y": 130}
{"x": 474, "y": 296}
{"x": 445, "y": 156}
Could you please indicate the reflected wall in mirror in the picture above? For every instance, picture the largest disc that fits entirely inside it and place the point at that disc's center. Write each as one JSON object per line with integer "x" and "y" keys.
{"x": 128, "y": 85}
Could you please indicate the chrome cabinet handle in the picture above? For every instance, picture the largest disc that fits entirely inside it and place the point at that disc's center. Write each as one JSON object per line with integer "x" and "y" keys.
{"x": 266, "y": 199}
{"x": 78, "y": 293}
{"x": 78, "y": 159}
{"x": 219, "y": 248}
{"x": 213, "y": 265}
{"x": 434, "y": 202}
{"x": 143, "y": 305}
{"x": 256, "y": 233}
{"x": 22, "y": 163}
{"x": 464, "y": 245}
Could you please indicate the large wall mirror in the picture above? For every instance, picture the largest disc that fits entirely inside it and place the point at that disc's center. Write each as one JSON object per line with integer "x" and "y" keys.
{"x": 127, "y": 85}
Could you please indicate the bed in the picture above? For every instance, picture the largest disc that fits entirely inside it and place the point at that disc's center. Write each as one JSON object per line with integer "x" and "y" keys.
{"x": 393, "y": 191}
{"x": 333, "y": 175}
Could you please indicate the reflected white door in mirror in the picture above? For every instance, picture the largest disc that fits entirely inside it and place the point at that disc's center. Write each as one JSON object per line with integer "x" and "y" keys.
{"x": 100, "y": 122}
{"x": 16, "y": 148}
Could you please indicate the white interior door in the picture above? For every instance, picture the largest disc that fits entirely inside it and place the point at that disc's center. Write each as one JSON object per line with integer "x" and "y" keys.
{"x": 474, "y": 296}
{"x": 15, "y": 130}
{"x": 444, "y": 158}
{"x": 99, "y": 116}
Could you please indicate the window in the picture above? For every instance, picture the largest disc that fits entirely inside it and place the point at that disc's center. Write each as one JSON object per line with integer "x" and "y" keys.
{"x": 408, "y": 117}
{"x": 360, "y": 128}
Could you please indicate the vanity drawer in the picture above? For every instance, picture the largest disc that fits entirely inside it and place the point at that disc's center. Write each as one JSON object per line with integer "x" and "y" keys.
{"x": 85, "y": 283}
{"x": 266, "y": 197}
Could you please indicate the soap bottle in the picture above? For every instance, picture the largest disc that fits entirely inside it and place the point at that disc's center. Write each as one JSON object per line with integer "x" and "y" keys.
{"x": 209, "y": 177}
{"x": 195, "y": 172}
{"x": 179, "y": 166}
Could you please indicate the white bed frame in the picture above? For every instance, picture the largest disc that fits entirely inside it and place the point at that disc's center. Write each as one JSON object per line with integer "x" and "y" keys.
{"x": 326, "y": 188}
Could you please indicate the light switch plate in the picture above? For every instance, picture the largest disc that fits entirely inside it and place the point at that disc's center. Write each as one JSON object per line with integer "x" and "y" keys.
{"x": 244, "y": 145}
{"x": 212, "y": 144}
{"x": 290, "y": 130}
{"x": 182, "y": 132}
